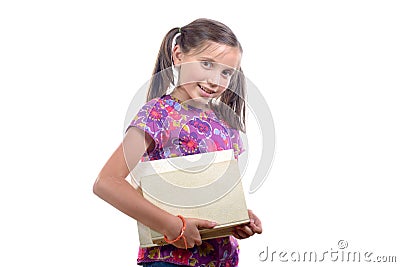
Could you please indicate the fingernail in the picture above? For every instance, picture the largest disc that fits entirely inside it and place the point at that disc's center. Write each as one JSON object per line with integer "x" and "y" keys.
{"x": 251, "y": 221}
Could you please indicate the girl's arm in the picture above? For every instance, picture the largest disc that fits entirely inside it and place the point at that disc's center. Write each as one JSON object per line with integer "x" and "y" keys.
{"x": 112, "y": 187}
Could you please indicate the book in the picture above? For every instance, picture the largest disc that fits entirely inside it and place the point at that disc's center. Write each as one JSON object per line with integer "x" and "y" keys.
{"x": 206, "y": 186}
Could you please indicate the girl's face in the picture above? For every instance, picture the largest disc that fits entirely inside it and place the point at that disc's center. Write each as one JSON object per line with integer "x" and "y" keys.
{"x": 207, "y": 74}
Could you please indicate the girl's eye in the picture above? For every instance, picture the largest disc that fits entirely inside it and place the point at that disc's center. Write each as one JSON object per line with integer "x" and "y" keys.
{"x": 207, "y": 64}
{"x": 227, "y": 73}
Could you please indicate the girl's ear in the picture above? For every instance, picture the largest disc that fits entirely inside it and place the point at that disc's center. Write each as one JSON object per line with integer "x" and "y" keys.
{"x": 177, "y": 55}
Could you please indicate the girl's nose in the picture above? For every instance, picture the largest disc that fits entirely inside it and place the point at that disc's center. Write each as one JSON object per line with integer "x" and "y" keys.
{"x": 213, "y": 80}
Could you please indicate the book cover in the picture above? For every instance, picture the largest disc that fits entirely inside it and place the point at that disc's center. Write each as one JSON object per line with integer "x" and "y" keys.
{"x": 205, "y": 186}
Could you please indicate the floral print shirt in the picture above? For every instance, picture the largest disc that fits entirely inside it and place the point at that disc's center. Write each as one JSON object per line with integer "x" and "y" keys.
{"x": 180, "y": 129}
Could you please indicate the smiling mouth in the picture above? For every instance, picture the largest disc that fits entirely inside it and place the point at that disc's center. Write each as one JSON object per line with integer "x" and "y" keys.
{"x": 206, "y": 90}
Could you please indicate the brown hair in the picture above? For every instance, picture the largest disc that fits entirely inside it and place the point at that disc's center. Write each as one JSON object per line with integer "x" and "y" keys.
{"x": 193, "y": 38}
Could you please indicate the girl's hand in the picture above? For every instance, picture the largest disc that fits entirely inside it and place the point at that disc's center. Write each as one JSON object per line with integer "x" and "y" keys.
{"x": 191, "y": 233}
{"x": 253, "y": 227}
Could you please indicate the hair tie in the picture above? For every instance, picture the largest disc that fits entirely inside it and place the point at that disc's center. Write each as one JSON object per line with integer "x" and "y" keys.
{"x": 174, "y": 69}
{"x": 174, "y": 39}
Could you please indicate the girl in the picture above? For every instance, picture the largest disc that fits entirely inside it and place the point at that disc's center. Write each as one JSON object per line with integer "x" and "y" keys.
{"x": 206, "y": 55}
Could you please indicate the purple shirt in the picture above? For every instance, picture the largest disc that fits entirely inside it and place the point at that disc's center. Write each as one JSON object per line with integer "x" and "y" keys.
{"x": 179, "y": 129}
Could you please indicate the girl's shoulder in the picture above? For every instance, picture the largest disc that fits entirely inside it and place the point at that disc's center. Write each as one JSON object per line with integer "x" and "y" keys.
{"x": 154, "y": 106}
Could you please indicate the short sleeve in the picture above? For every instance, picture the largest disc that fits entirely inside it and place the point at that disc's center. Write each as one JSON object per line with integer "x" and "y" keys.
{"x": 150, "y": 118}
{"x": 237, "y": 143}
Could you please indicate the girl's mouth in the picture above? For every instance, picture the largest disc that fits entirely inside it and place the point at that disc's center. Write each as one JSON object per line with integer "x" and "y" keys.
{"x": 206, "y": 90}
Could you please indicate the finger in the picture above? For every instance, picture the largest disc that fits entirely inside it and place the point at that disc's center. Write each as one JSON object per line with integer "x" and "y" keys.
{"x": 205, "y": 224}
{"x": 236, "y": 235}
{"x": 253, "y": 216}
{"x": 242, "y": 234}
{"x": 247, "y": 230}
{"x": 257, "y": 222}
{"x": 198, "y": 242}
{"x": 181, "y": 244}
{"x": 189, "y": 245}
{"x": 255, "y": 228}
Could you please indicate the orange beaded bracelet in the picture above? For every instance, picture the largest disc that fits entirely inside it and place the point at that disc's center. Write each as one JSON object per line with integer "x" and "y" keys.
{"x": 180, "y": 235}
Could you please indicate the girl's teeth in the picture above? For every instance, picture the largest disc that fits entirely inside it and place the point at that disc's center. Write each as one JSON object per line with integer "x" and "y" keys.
{"x": 205, "y": 90}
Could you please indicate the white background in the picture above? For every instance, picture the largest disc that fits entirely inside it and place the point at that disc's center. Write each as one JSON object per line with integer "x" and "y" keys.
{"x": 329, "y": 71}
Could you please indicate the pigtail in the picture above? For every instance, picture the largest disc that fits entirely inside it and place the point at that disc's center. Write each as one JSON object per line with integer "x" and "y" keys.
{"x": 162, "y": 73}
{"x": 233, "y": 107}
